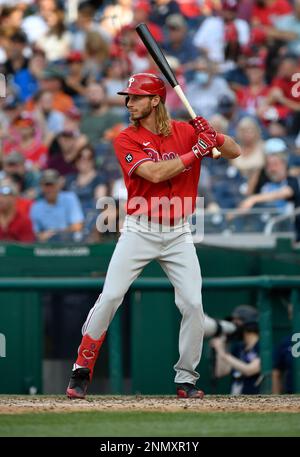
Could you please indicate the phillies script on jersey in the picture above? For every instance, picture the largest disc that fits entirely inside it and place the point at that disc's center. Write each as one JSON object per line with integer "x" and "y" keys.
{"x": 167, "y": 200}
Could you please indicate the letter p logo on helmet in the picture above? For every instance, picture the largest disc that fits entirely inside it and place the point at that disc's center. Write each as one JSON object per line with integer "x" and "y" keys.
{"x": 145, "y": 84}
{"x": 131, "y": 80}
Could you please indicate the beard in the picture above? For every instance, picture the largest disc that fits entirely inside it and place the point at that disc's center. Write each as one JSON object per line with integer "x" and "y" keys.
{"x": 143, "y": 114}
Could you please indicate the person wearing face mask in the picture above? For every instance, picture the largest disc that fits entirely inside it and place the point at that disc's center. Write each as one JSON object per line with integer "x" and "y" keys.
{"x": 98, "y": 118}
{"x": 206, "y": 88}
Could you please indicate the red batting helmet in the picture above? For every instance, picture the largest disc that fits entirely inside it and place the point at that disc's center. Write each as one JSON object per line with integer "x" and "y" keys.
{"x": 145, "y": 84}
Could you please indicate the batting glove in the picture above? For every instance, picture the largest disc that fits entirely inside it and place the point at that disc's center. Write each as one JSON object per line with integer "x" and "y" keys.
{"x": 204, "y": 145}
{"x": 201, "y": 125}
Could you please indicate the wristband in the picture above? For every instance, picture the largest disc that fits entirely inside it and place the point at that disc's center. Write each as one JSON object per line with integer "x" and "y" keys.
{"x": 220, "y": 139}
{"x": 188, "y": 159}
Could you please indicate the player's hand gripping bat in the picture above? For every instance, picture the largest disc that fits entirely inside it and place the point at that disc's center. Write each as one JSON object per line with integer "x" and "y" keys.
{"x": 163, "y": 65}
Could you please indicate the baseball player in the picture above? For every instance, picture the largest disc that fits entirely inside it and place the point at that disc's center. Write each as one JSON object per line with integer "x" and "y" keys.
{"x": 160, "y": 159}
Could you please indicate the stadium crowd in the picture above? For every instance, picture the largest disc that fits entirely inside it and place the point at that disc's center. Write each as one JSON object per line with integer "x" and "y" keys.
{"x": 238, "y": 62}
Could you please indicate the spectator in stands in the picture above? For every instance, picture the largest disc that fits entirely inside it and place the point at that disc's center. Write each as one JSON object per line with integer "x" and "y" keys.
{"x": 275, "y": 188}
{"x": 219, "y": 122}
{"x": 14, "y": 226}
{"x": 76, "y": 80}
{"x": 57, "y": 213}
{"x": 87, "y": 184}
{"x": 98, "y": 119}
{"x": 245, "y": 9}
{"x": 50, "y": 121}
{"x": 141, "y": 12}
{"x": 236, "y": 76}
{"x": 229, "y": 108}
{"x": 56, "y": 43}
{"x": 206, "y": 89}
{"x": 14, "y": 164}
{"x": 243, "y": 362}
{"x": 162, "y": 9}
{"x": 35, "y": 25}
{"x": 16, "y": 58}
{"x": 265, "y": 11}
{"x": 294, "y": 159}
{"x": 52, "y": 81}
{"x": 252, "y": 159}
{"x": 227, "y": 184}
{"x": 10, "y": 111}
{"x": 179, "y": 43}
{"x": 115, "y": 16}
{"x": 115, "y": 75}
{"x": 129, "y": 47}
{"x": 23, "y": 203}
{"x": 194, "y": 11}
{"x": 106, "y": 158}
{"x": 85, "y": 23}
{"x": 286, "y": 29}
{"x": 251, "y": 96}
{"x": 64, "y": 150}
{"x": 217, "y": 35}
{"x": 72, "y": 123}
{"x": 276, "y": 129}
{"x": 27, "y": 79}
{"x": 205, "y": 190}
{"x": 173, "y": 103}
{"x": 11, "y": 15}
{"x": 96, "y": 53}
{"x": 26, "y": 138}
{"x": 283, "y": 99}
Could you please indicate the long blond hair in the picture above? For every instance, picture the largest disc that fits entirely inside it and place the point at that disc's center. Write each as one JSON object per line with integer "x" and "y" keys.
{"x": 162, "y": 120}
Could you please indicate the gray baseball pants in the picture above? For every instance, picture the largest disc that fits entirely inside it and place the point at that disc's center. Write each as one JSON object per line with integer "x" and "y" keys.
{"x": 139, "y": 244}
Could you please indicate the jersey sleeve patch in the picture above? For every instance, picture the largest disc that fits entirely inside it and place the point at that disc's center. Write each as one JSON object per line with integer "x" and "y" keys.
{"x": 129, "y": 154}
{"x": 129, "y": 158}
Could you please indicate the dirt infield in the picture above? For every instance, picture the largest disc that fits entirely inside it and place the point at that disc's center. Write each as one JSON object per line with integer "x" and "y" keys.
{"x": 211, "y": 403}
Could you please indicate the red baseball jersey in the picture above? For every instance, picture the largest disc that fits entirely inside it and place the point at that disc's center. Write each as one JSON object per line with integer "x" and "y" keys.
{"x": 134, "y": 146}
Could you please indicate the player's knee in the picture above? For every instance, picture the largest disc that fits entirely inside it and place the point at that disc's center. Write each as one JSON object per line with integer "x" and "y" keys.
{"x": 195, "y": 307}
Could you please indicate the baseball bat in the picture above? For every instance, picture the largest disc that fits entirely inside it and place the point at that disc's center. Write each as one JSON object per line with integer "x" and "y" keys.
{"x": 162, "y": 63}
